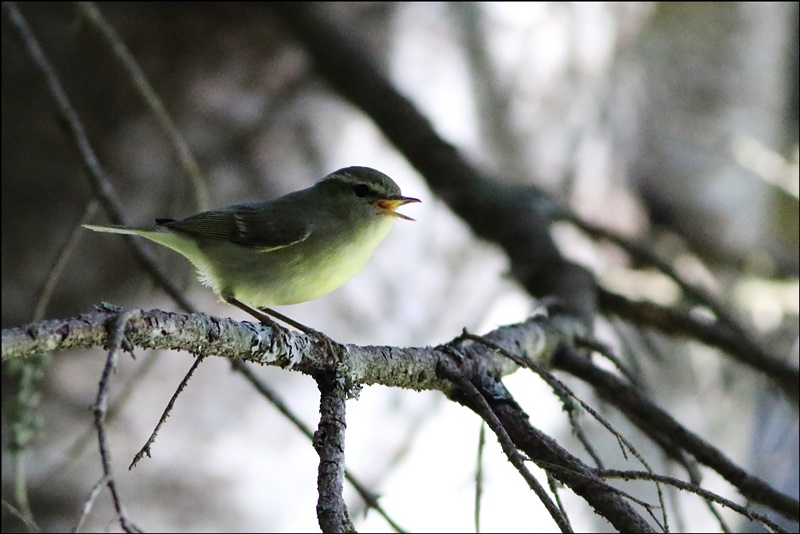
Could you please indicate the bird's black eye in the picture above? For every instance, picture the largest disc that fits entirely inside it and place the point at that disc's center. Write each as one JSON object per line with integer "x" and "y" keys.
{"x": 361, "y": 190}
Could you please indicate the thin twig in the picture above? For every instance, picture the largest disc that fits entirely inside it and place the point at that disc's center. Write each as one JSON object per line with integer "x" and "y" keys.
{"x": 152, "y": 100}
{"x": 98, "y": 179}
{"x": 67, "y": 248}
{"x": 562, "y": 390}
{"x": 26, "y": 519}
{"x": 693, "y": 488}
{"x": 479, "y": 478}
{"x": 646, "y": 256}
{"x": 117, "y": 335}
{"x": 145, "y": 450}
{"x": 482, "y": 408}
{"x": 658, "y": 424}
{"x": 671, "y": 321}
{"x": 88, "y": 504}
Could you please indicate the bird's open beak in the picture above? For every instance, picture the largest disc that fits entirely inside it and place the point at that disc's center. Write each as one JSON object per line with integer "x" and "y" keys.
{"x": 388, "y": 205}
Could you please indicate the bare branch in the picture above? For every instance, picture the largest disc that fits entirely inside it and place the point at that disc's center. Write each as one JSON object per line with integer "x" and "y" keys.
{"x": 332, "y": 511}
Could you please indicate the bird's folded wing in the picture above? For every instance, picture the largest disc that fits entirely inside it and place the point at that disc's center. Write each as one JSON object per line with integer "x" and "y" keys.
{"x": 245, "y": 225}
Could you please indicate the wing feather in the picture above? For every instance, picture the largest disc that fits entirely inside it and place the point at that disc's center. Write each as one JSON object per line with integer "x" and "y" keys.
{"x": 248, "y": 225}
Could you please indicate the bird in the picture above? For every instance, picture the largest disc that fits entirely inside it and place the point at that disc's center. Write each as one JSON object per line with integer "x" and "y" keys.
{"x": 285, "y": 250}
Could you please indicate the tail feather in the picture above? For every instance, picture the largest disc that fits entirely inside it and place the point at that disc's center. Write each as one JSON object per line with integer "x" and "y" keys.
{"x": 160, "y": 235}
{"x": 114, "y": 229}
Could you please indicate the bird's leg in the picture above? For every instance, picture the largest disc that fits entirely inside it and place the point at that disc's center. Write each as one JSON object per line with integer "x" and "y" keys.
{"x": 261, "y": 314}
{"x": 262, "y": 318}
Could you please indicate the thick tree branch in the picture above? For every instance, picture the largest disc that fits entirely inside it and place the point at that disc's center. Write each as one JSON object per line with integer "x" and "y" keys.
{"x": 204, "y": 335}
{"x": 332, "y": 511}
{"x": 412, "y": 368}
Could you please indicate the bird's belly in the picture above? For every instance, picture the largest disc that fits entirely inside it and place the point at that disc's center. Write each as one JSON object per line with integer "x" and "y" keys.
{"x": 283, "y": 276}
